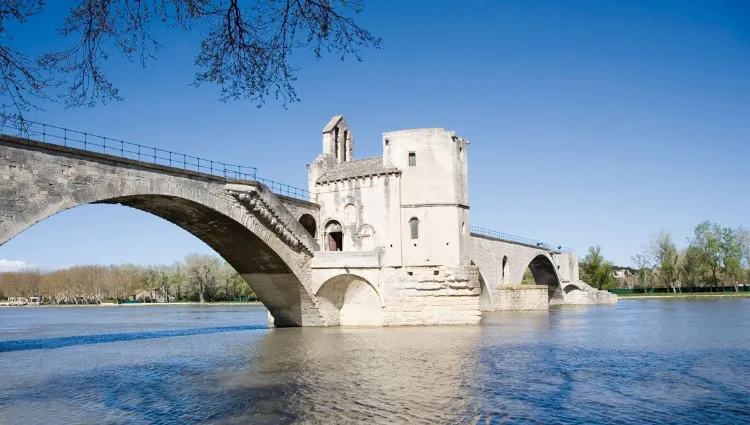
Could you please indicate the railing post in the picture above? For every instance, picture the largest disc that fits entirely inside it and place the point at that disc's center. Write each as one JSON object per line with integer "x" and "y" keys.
{"x": 65, "y": 137}
{"x": 139, "y": 152}
{"x": 104, "y": 145}
{"x": 44, "y": 132}
{"x": 85, "y": 141}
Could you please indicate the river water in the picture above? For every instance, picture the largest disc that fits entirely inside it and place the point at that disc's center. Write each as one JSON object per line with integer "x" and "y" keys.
{"x": 641, "y": 361}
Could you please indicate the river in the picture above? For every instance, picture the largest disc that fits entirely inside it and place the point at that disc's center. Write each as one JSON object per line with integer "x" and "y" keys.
{"x": 641, "y": 361}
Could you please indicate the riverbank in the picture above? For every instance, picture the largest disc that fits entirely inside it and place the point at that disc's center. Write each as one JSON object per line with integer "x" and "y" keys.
{"x": 187, "y": 303}
{"x": 682, "y": 295}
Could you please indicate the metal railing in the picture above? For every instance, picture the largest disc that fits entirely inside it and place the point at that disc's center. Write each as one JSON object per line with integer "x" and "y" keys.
{"x": 286, "y": 190}
{"x": 519, "y": 239}
{"x": 106, "y": 145}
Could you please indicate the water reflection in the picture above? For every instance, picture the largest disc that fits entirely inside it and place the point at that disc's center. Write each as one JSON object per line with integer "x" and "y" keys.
{"x": 68, "y": 341}
{"x": 398, "y": 375}
{"x": 634, "y": 363}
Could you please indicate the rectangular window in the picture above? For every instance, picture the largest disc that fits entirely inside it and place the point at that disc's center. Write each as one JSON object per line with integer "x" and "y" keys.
{"x": 412, "y": 159}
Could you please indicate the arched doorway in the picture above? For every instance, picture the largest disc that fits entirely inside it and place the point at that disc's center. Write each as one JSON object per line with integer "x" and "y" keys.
{"x": 308, "y": 222}
{"x": 334, "y": 236}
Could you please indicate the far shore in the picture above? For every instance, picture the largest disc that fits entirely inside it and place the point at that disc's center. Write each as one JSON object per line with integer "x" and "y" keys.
{"x": 187, "y": 303}
{"x": 683, "y": 295}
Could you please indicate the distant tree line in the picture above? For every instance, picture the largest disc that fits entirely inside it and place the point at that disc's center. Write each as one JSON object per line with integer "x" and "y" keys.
{"x": 197, "y": 278}
{"x": 715, "y": 256}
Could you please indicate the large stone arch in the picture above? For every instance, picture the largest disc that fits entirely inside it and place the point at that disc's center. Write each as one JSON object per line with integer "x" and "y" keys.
{"x": 242, "y": 221}
{"x": 352, "y": 299}
{"x": 545, "y": 273}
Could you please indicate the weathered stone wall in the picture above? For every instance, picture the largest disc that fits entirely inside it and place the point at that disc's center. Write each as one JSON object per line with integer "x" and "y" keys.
{"x": 297, "y": 208}
{"x": 400, "y": 296}
{"x": 522, "y": 297}
{"x": 431, "y": 295}
{"x": 368, "y": 210}
{"x": 243, "y": 221}
{"x": 434, "y": 191}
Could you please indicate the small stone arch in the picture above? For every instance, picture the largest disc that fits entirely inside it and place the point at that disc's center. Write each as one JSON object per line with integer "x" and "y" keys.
{"x": 308, "y": 222}
{"x": 351, "y": 300}
{"x": 350, "y": 214}
{"x": 366, "y": 236}
{"x": 571, "y": 287}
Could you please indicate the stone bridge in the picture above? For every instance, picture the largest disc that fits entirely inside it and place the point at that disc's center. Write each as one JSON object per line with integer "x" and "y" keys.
{"x": 253, "y": 229}
{"x": 502, "y": 263}
{"x": 386, "y": 242}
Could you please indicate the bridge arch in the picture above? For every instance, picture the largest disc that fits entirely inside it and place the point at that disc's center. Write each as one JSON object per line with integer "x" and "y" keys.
{"x": 350, "y": 300}
{"x": 246, "y": 228}
{"x": 570, "y": 287}
{"x": 545, "y": 273}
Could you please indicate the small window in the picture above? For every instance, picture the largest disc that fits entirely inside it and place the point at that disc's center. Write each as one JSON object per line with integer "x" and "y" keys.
{"x": 412, "y": 159}
{"x": 414, "y": 226}
{"x": 336, "y": 142}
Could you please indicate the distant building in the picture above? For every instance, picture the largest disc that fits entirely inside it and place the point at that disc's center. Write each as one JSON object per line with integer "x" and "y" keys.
{"x": 621, "y": 273}
{"x": 154, "y": 294}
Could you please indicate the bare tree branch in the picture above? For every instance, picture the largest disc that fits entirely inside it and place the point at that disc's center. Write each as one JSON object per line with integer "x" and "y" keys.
{"x": 246, "y": 53}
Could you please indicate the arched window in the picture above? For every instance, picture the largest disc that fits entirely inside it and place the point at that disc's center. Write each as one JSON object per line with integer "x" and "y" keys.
{"x": 346, "y": 142}
{"x": 414, "y": 226}
{"x": 308, "y": 222}
{"x": 336, "y": 142}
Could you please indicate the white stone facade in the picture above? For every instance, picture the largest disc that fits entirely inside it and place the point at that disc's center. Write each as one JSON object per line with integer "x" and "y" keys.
{"x": 398, "y": 222}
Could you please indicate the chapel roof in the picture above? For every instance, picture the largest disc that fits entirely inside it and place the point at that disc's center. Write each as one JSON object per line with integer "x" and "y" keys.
{"x": 357, "y": 168}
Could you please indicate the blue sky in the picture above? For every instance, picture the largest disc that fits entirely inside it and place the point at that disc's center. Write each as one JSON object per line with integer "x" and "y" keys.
{"x": 591, "y": 122}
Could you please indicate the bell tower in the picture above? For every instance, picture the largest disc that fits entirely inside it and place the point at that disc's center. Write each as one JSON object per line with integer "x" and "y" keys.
{"x": 338, "y": 147}
{"x": 338, "y": 140}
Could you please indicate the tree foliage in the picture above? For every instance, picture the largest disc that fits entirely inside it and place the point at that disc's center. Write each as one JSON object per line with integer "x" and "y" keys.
{"x": 715, "y": 256}
{"x": 199, "y": 278}
{"x": 721, "y": 250}
{"x": 665, "y": 256}
{"x": 596, "y": 271}
{"x": 247, "y": 49}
